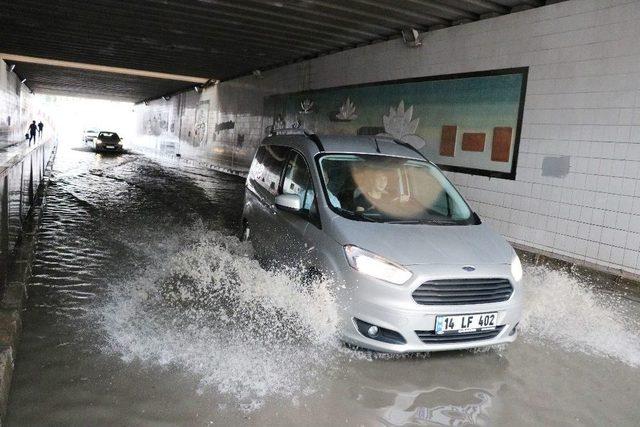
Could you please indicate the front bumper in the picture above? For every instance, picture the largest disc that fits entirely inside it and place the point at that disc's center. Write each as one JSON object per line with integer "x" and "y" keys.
{"x": 392, "y": 307}
{"x": 109, "y": 147}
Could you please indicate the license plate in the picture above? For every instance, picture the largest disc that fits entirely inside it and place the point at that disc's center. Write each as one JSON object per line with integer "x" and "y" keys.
{"x": 110, "y": 146}
{"x": 463, "y": 323}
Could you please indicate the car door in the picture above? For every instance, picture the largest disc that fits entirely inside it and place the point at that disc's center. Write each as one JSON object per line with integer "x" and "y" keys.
{"x": 263, "y": 185}
{"x": 296, "y": 180}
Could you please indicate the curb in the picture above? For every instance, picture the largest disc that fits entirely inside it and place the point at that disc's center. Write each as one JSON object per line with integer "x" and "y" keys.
{"x": 15, "y": 292}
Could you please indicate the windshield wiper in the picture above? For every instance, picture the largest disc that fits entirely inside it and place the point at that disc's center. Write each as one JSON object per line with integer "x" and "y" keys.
{"x": 426, "y": 221}
{"x": 354, "y": 215}
{"x": 443, "y": 222}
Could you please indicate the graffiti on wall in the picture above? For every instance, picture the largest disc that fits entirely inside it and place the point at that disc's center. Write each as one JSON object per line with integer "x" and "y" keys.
{"x": 466, "y": 122}
{"x": 155, "y": 121}
{"x": 201, "y": 123}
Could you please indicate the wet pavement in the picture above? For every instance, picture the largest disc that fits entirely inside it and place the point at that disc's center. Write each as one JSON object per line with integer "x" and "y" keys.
{"x": 144, "y": 310}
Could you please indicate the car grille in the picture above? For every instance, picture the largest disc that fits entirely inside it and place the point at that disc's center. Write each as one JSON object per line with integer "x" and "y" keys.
{"x": 430, "y": 337}
{"x": 463, "y": 291}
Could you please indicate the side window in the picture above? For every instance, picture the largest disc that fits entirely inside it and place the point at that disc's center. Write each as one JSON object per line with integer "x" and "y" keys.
{"x": 298, "y": 181}
{"x": 256, "y": 165}
{"x": 268, "y": 170}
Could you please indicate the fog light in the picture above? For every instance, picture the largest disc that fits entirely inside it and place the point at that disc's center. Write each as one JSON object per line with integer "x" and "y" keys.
{"x": 378, "y": 333}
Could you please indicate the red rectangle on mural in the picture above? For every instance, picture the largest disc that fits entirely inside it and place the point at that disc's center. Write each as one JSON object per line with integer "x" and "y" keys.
{"x": 448, "y": 141}
{"x": 501, "y": 145}
{"x": 473, "y": 141}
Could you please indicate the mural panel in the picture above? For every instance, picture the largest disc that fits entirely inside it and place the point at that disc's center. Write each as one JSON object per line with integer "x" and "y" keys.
{"x": 465, "y": 122}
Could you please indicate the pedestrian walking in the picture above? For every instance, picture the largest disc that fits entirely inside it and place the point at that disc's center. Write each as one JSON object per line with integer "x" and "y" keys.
{"x": 40, "y": 127}
{"x": 33, "y": 128}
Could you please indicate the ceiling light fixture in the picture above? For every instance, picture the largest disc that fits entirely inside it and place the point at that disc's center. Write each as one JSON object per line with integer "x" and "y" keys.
{"x": 13, "y": 67}
{"x": 411, "y": 37}
{"x": 23, "y": 80}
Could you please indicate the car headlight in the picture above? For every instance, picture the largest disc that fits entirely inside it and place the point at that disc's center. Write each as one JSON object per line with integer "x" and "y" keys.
{"x": 376, "y": 266}
{"x": 516, "y": 268}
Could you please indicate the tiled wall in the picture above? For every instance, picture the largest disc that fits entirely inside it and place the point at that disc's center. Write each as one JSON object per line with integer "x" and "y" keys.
{"x": 222, "y": 125}
{"x": 577, "y": 187}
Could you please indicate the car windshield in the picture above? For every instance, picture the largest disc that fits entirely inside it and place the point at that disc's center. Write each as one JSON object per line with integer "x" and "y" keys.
{"x": 109, "y": 135}
{"x": 389, "y": 189}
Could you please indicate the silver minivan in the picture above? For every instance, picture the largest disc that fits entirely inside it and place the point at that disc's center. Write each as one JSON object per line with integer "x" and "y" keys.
{"x": 417, "y": 270}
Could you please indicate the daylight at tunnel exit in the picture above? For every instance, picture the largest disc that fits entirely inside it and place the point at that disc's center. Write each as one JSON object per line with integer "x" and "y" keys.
{"x": 320, "y": 213}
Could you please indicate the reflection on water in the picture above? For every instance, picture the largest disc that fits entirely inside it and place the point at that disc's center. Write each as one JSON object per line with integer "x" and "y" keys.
{"x": 419, "y": 408}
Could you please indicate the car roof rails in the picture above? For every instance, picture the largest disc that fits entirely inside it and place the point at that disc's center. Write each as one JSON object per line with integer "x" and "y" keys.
{"x": 406, "y": 145}
{"x": 288, "y": 131}
{"x": 298, "y": 131}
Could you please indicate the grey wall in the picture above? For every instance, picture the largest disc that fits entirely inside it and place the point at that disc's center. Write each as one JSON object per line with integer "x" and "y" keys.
{"x": 18, "y": 107}
{"x": 577, "y": 187}
{"x": 11, "y": 106}
{"x": 21, "y": 168}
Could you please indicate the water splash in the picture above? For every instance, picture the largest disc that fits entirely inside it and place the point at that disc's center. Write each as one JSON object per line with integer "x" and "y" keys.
{"x": 562, "y": 309}
{"x": 206, "y": 306}
{"x": 210, "y": 308}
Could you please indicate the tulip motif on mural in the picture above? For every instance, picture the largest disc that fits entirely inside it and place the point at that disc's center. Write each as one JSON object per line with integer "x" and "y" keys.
{"x": 347, "y": 111}
{"x": 399, "y": 124}
{"x": 306, "y": 106}
{"x": 279, "y": 122}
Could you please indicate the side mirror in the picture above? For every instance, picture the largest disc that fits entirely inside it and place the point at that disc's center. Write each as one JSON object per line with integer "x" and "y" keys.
{"x": 289, "y": 202}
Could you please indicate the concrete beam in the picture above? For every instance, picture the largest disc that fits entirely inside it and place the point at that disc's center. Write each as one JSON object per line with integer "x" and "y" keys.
{"x": 103, "y": 68}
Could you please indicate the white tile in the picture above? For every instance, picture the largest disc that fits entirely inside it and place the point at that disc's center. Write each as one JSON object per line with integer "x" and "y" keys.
{"x": 617, "y": 256}
{"x": 630, "y": 258}
{"x": 633, "y": 241}
{"x": 604, "y": 252}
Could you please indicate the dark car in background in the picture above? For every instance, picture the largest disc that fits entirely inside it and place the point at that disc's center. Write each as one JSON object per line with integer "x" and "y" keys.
{"x": 107, "y": 141}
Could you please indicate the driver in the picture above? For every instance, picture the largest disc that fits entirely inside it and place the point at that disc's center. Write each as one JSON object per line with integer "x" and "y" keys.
{"x": 377, "y": 194}
{"x": 375, "y": 191}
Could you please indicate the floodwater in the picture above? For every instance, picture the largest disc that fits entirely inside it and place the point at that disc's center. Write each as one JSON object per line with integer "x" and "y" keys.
{"x": 145, "y": 310}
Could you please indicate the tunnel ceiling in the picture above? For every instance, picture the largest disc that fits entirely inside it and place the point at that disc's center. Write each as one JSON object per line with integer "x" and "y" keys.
{"x": 218, "y": 39}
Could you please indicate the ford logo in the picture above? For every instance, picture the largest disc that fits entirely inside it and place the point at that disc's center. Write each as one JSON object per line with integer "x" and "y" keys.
{"x": 469, "y": 268}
